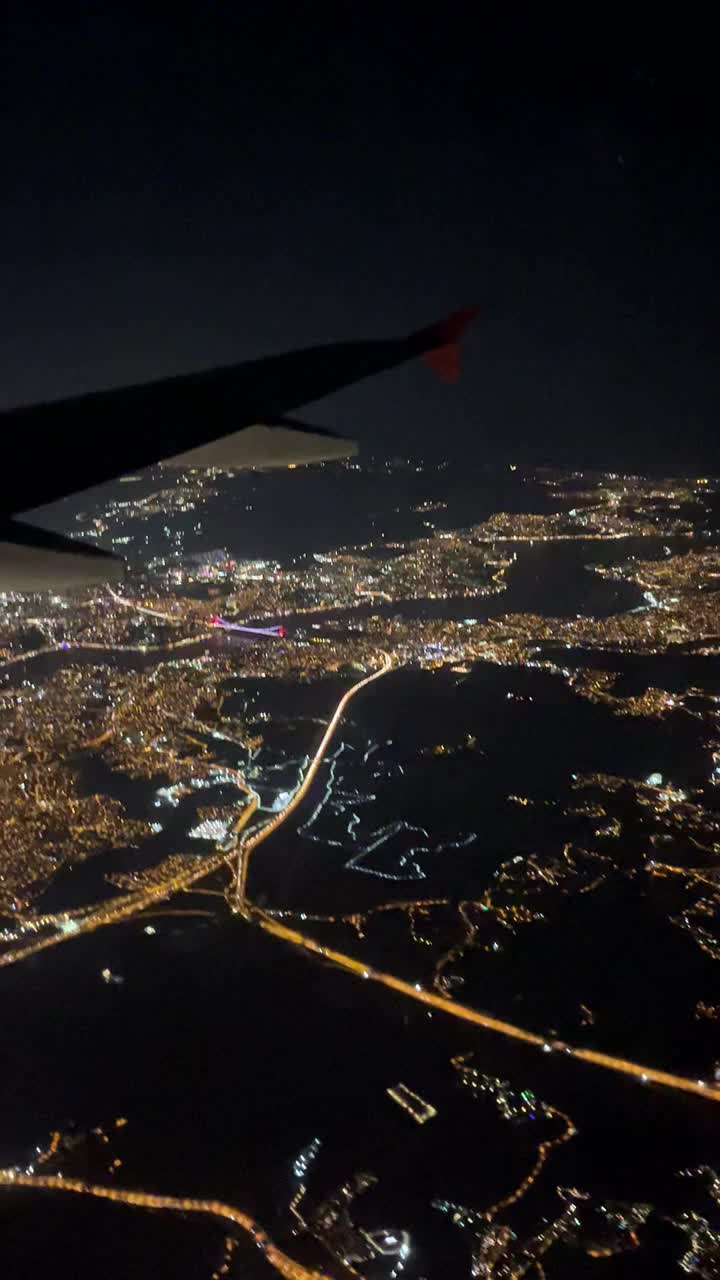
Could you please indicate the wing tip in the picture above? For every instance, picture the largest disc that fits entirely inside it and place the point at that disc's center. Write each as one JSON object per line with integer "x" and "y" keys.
{"x": 443, "y": 356}
{"x": 454, "y": 326}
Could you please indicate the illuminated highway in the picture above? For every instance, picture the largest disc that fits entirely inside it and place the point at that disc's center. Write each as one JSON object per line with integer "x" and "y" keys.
{"x": 283, "y": 1264}
{"x": 142, "y": 608}
{"x": 71, "y": 924}
{"x": 645, "y": 1075}
{"x": 267, "y": 829}
{"x": 96, "y": 917}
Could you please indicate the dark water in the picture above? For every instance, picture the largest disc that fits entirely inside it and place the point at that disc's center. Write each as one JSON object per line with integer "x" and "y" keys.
{"x": 546, "y": 578}
{"x": 677, "y": 670}
{"x": 44, "y": 665}
{"x": 282, "y": 515}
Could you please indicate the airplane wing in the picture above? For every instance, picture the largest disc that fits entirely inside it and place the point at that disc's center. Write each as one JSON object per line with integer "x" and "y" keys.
{"x": 231, "y": 417}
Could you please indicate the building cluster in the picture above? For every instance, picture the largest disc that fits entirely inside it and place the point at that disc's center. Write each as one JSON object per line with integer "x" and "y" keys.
{"x": 670, "y": 576}
{"x": 98, "y": 625}
{"x": 440, "y": 567}
{"x": 684, "y": 838}
{"x": 499, "y": 1252}
{"x": 162, "y": 721}
{"x": 174, "y": 492}
{"x": 515, "y": 1105}
{"x": 702, "y": 1256}
{"x": 597, "y": 686}
{"x": 48, "y": 818}
{"x": 380, "y": 1252}
{"x": 643, "y": 495}
{"x": 140, "y": 879}
{"x": 306, "y": 1157}
{"x": 166, "y": 722}
{"x": 417, "y": 1107}
{"x": 590, "y": 524}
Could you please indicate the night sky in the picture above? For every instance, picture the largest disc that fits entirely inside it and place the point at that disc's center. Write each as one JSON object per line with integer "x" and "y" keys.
{"x": 232, "y": 182}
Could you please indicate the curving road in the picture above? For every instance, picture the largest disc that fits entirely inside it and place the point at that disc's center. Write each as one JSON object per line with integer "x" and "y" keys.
{"x": 285, "y": 1265}
{"x": 268, "y": 827}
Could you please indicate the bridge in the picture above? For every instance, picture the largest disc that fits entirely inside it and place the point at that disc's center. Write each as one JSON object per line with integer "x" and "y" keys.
{"x": 224, "y": 625}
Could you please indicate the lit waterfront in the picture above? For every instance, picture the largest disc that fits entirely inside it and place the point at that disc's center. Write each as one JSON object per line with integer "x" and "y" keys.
{"x": 205, "y": 721}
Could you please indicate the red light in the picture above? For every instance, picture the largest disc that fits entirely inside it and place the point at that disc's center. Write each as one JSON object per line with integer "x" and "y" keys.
{"x": 281, "y": 631}
{"x": 215, "y": 621}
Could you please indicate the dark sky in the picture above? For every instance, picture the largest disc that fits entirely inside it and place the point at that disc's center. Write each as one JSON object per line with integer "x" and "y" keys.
{"x": 231, "y": 182}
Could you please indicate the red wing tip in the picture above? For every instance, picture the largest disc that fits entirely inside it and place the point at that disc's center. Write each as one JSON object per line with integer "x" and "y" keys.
{"x": 443, "y": 357}
{"x": 444, "y": 361}
{"x": 454, "y": 326}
